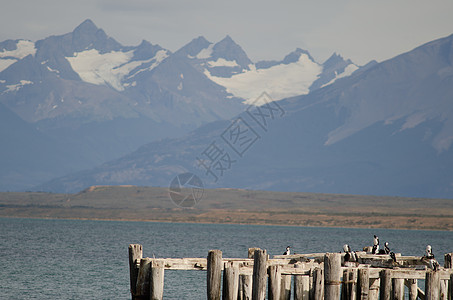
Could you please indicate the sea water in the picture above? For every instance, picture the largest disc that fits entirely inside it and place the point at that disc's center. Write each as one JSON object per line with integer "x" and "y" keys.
{"x": 81, "y": 259}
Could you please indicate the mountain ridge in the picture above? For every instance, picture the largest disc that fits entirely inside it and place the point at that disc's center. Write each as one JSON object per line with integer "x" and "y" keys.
{"x": 385, "y": 130}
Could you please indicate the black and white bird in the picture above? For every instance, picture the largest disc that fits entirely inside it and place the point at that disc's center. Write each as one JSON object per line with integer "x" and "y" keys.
{"x": 375, "y": 245}
{"x": 429, "y": 258}
{"x": 429, "y": 252}
{"x": 386, "y": 249}
{"x": 346, "y": 248}
{"x": 287, "y": 252}
{"x": 350, "y": 255}
{"x": 393, "y": 256}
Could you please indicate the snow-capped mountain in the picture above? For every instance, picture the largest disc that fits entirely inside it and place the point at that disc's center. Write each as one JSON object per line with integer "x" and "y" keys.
{"x": 97, "y": 99}
{"x": 387, "y": 129}
{"x": 298, "y": 73}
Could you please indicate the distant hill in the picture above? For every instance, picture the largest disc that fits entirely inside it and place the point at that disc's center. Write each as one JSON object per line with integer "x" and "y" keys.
{"x": 387, "y": 129}
{"x": 234, "y": 206}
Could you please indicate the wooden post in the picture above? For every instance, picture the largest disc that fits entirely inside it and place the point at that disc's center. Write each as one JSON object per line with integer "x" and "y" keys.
{"x": 274, "y": 282}
{"x": 301, "y": 284}
{"x": 374, "y": 288}
{"x": 318, "y": 284}
{"x": 214, "y": 274}
{"x": 443, "y": 292}
{"x": 432, "y": 285}
{"x": 345, "y": 285}
{"x": 448, "y": 260}
{"x": 349, "y": 288}
{"x": 332, "y": 276}
{"x": 143, "y": 279}
{"x": 245, "y": 292}
{"x": 157, "y": 280}
{"x": 285, "y": 287}
{"x": 413, "y": 288}
{"x": 301, "y": 287}
{"x": 364, "y": 284}
{"x": 135, "y": 253}
{"x": 398, "y": 289}
{"x": 386, "y": 284}
{"x": 259, "y": 274}
{"x": 450, "y": 289}
{"x": 251, "y": 252}
{"x": 230, "y": 281}
{"x": 311, "y": 283}
{"x": 352, "y": 284}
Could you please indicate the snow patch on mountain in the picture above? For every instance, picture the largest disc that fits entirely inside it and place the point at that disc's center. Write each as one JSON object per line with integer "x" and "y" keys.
{"x": 158, "y": 58}
{"x": 351, "y": 68}
{"x": 109, "y": 68}
{"x": 16, "y": 87}
{"x": 24, "y": 48}
{"x": 9, "y": 57}
{"x": 5, "y": 63}
{"x": 279, "y": 81}
{"x": 222, "y": 62}
{"x": 205, "y": 53}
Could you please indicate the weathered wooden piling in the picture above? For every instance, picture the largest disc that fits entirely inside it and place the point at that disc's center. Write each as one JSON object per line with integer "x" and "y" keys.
{"x": 214, "y": 274}
{"x": 349, "y": 288}
{"x": 230, "y": 281}
{"x": 332, "y": 276}
{"x": 301, "y": 285}
{"x": 450, "y": 289}
{"x": 443, "y": 291}
{"x": 245, "y": 291}
{"x": 398, "y": 289}
{"x": 135, "y": 254}
{"x": 448, "y": 260}
{"x": 413, "y": 288}
{"x": 432, "y": 285}
{"x": 157, "y": 280}
{"x": 318, "y": 284}
{"x": 143, "y": 279}
{"x": 311, "y": 283}
{"x": 364, "y": 284}
{"x": 274, "y": 283}
{"x": 375, "y": 284}
{"x": 285, "y": 289}
{"x": 386, "y": 284}
{"x": 259, "y": 274}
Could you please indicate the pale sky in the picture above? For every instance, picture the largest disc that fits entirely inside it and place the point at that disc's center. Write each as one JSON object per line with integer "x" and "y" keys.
{"x": 361, "y": 30}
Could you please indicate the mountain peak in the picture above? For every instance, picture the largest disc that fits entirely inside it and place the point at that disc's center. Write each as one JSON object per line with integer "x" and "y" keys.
{"x": 194, "y": 47}
{"x": 335, "y": 59}
{"x": 295, "y": 55}
{"x": 87, "y": 26}
{"x": 229, "y": 50}
{"x": 227, "y": 39}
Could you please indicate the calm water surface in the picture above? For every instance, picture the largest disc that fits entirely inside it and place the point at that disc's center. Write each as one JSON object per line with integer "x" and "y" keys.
{"x": 75, "y": 259}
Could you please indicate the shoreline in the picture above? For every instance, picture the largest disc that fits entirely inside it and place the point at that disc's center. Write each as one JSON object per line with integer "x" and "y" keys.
{"x": 219, "y": 223}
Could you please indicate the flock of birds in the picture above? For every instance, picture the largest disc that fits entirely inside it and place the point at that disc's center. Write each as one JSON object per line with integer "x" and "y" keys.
{"x": 375, "y": 249}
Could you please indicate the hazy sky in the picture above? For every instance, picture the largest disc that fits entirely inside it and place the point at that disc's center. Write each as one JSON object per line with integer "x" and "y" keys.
{"x": 361, "y": 30}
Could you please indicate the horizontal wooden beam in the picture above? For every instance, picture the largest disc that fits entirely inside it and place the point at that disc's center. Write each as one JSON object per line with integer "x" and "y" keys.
{"x": 291, "y": 266}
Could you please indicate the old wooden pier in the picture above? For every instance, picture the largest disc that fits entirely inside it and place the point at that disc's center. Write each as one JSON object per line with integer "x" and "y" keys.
{"x": 314, "y": 276}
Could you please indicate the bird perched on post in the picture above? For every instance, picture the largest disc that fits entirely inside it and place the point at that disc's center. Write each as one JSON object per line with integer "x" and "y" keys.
{"x": 386, "y": 249}
{"x": 375, "y": 245}
{"x": 429, "y": 258}
{"x": 350, "y": 255}
{"x": 287, "y": 252}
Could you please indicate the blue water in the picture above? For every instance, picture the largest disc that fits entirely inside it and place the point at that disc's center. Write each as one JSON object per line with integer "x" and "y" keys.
{"x": 75, "y": 259}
